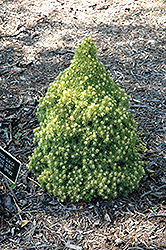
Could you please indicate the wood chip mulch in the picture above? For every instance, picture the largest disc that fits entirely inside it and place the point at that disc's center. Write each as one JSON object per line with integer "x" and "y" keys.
{"x": 37, "y": 42}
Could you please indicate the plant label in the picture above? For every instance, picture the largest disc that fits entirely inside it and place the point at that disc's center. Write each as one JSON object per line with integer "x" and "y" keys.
{"x": 9, "y": 165}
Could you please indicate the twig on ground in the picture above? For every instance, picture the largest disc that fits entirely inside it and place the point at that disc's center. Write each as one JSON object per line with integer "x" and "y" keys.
{"x": 34, "y": 181}
{"x": 149, "y": 216}
{"x": 11, "y": 191}
{"x": 135, "y": 248}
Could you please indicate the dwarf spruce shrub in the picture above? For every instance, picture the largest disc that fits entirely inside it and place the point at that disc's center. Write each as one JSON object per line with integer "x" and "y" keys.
{"x": 86, "y": 141}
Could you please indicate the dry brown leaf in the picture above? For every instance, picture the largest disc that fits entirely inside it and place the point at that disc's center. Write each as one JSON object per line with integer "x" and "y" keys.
{"x": 17, "y": 143}
{"x": 24, "y": 223}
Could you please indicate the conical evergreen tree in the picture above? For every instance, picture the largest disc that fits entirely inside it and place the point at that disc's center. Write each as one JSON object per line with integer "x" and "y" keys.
{"x": 87, "y": 136}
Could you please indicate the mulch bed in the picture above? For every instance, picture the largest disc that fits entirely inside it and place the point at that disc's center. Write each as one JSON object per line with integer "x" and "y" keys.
{"x": 37, "y": 42}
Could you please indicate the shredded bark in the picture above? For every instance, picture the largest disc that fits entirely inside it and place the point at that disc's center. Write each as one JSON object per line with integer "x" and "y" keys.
{"x": 37, "y": 42}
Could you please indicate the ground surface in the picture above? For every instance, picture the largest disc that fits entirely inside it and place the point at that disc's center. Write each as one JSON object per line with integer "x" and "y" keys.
{"x": 37, "y": 41}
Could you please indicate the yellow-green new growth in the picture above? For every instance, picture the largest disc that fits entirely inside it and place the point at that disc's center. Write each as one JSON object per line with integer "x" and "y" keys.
{"x": 87, "y": 136}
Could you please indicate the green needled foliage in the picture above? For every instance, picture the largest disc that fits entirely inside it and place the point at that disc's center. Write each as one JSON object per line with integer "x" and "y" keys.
{"x": 86, "y": 141}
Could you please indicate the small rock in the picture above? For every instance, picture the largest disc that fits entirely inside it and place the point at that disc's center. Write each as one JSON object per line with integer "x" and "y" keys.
{"x": 23, "y": 203}
{"x": 53, "y": 202}
{"x": 115, "y": 30}
{"x": 12, "y": 231}
{"x": 107, "y": 217}
{"x": 7, "y": 202}
{"x": 118, "y": 241}
{"x": 97, "y": 222}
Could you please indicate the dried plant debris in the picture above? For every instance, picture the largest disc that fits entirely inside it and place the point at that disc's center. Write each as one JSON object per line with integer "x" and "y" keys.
{"x": 37, "y": 42}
